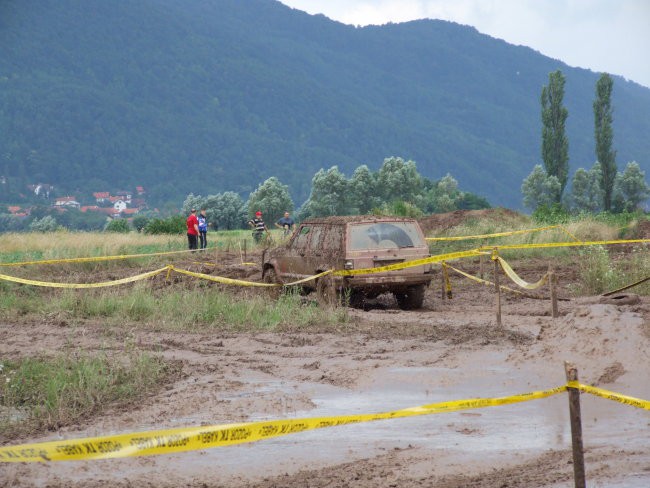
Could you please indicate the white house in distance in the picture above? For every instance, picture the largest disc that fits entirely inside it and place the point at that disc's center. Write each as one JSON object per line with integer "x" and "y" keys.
{"x": 67, "y": 202}
{"x": 119, "y": 205}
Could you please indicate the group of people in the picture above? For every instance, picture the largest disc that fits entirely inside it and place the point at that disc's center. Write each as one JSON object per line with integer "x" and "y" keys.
{"x": 197, "y": 228}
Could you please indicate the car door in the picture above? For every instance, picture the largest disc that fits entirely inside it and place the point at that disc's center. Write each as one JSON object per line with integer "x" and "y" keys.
{"x": 314, "y": 255}
{"x": 294, "y": 263}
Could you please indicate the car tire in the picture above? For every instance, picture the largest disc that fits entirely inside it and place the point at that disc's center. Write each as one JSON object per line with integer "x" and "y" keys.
{"x": 412, "y": 299}
{"x": 326, "y": 292}
{"x": 270, "y": 276}
{"x": 356, "y": 298}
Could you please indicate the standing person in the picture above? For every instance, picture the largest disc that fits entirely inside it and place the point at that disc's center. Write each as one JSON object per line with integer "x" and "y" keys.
{"x": 285, "y": 223}
{"x": 192, "y": 230}
{"x": 258, "y": 226}
{"x": 203, "y": 229}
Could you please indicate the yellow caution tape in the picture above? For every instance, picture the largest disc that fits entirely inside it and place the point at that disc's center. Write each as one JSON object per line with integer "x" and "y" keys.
{"x": 392, "y": 267}
{"x": 196, "y": 438}
{"x": 564, "y": 244}
{"x": 569, "y": 234}
{"x": 626, "y": 287}
{"x": 122, "y": 281}
{"x": 504, "y": 234}
{"x": 221, "y": 279}
{"x": 410, "y": 264}
{"x": 610, "y": 395}
{"x": 496, "y": 234}
{"x": 97, "y": 258}
{"x": 502, "y": 287}
{"x": 517, "y": 279}
{"x": 309, "y": 278}
{"x": 231, "y": 281}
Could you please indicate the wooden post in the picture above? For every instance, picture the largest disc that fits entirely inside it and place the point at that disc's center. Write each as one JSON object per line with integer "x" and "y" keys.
{"x": 443, "y": 289}
{"x": 245, "y": 257}
{"x": 480, "y": 266}
{"x": 576, "y": 427}
{"x": 497, "y": 288}
{"x": 551, "y": 283}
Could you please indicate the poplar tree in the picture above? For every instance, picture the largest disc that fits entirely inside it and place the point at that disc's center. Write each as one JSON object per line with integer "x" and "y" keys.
{"x": 555, "y": 145}
{"x": 605, "y": 155}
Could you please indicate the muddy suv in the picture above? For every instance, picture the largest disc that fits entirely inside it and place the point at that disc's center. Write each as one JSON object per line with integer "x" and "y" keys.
{"x": 359, "y": 242}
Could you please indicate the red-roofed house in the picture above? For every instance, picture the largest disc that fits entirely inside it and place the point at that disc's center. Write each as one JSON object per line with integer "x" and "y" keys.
{"x": 89, "y": 208}
{"x": 101, "y": 196}
{"x": 130, "y": 211}
{"x": 139, "y": 203}
{"x": 139, "y": 190}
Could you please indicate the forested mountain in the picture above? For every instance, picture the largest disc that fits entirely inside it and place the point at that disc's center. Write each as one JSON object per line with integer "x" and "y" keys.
{"x": 186, "y": 96}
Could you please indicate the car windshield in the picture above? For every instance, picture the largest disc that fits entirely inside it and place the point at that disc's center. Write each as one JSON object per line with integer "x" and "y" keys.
{"x": 384, "y": 235}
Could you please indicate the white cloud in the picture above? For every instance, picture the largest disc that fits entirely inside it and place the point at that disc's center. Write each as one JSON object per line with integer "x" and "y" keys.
{"x": 602, "y": 35}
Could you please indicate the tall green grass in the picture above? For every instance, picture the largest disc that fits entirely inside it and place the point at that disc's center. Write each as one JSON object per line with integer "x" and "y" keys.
{"x": 41, "y": 392}
{"x": 585, "y": 228}
{"x": 34, "y": 246}
{"x": 600, "y": 272}
{"x": 187, "y": 307}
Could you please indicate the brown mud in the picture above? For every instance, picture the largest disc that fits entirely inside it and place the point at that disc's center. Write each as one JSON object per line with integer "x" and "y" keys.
{"x": 382, "y": 359}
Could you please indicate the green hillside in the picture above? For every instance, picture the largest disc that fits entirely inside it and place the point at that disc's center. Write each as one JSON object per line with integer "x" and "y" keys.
{"x": 183, "y": 96}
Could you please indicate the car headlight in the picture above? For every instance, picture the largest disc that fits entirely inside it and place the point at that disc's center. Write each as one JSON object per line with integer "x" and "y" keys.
{"x": 349, "y": 265}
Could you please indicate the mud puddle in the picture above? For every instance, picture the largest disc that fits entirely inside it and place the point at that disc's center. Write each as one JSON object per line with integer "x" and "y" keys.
{"x": 492, "y": 434}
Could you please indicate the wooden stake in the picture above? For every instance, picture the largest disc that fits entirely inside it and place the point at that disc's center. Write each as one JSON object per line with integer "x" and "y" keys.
{"x": 443, "y": 289}
{"x": 497, "y": 289}
{"x": 245, "y": 257}
{"x": 576, "y": 427}
{"x": 551, "y": 283}
{"x": 480, "y": 266}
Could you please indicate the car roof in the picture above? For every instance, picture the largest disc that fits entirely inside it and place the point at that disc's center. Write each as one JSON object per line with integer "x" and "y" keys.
{"x": 342, "y": 220}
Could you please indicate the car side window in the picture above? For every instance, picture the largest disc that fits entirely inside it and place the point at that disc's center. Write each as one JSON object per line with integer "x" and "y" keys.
{"x": 315, "y": 242}
{"x": 332, "y": 238}
{"x": 300, "y": 242}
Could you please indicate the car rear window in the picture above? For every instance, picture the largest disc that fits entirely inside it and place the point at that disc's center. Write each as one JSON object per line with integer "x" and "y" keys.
{"x": 384, "y": 235}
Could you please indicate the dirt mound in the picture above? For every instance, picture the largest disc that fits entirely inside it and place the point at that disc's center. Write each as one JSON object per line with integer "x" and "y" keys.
{"x": 444, "y": 221}
{"x": 605, "y": 340}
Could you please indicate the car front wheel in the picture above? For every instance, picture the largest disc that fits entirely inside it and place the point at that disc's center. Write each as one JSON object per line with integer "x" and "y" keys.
{"x": 271, "y": 277}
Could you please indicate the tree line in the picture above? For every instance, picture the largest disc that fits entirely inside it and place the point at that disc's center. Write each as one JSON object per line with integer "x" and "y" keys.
{"x": 397, "y": 188}
{"x": 600, "y": 188}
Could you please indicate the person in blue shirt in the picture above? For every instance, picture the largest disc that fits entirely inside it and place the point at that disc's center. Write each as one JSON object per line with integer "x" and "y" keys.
{"x": 285, "y": 223}
{"x": 203, "y": 229}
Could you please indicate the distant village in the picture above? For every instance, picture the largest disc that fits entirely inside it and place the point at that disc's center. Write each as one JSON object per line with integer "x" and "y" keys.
{"x": 117, "y": 204}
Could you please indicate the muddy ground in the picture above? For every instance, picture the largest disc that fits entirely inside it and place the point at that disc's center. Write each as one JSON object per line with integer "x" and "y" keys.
{"x": 382, "y": 359}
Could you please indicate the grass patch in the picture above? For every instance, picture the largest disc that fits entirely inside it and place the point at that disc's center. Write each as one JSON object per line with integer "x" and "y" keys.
{"x": 186, "y": 306}
{"x": 600, "y": 271}
{"x": 15, "y": 247}
{"x": 47, "y": 393}
{"x": 35, "y": 246}
{"x": 601, "y": 227}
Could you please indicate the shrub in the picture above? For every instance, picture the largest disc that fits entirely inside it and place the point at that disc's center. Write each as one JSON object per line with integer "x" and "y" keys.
{"x": 551, "y": 214}
{"x": 46, "y": 224}
{"x": 117, "y": 225}
{"x": 170, "y": 225}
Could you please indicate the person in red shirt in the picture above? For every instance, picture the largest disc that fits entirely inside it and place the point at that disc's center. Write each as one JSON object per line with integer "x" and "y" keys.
{"x": 193, "y": 230}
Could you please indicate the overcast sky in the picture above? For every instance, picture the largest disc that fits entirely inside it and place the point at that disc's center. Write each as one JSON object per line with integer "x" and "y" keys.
{"x": 601, "y": 35}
